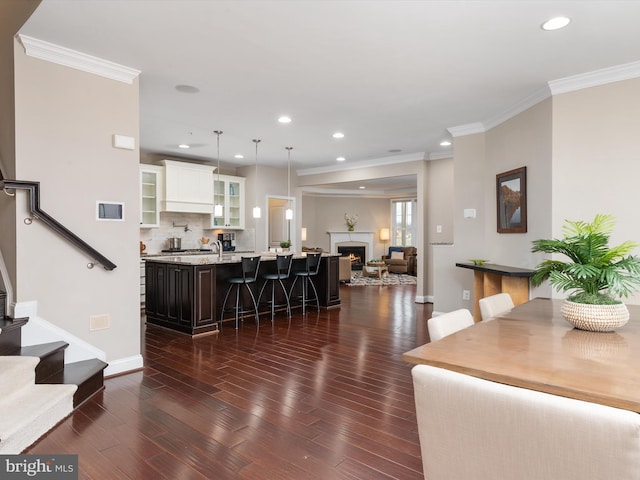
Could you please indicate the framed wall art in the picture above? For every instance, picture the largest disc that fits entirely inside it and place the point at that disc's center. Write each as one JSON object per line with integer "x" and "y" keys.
{"x": 511, "y": 192}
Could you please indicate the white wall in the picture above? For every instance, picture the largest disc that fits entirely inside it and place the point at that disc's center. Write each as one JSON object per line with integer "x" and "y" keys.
{"x": 65, "y": 119}
{"x": 325, "y": 214}
{"x": 524, "y": 140}
{"x": 418, "y": 168}
{"x": 470, "y": 183}
{"x": 12, "y": 17}
{"x": 441, "y": 200}
{"x": 271, "y": 182}
{"x": 596, "y": 158}
{"x": 581, "y": 150}
{"x": 440, "y": 206}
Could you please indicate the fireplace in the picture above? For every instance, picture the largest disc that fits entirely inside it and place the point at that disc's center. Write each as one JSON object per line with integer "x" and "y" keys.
{"x": 355, "y": 253}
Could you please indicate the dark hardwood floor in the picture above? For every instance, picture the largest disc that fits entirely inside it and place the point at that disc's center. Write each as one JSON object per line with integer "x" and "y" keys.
{"x": 325, "y": 397}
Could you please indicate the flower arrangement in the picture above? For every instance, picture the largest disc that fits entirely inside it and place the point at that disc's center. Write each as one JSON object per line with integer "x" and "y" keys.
{"x": 351, "y": 221}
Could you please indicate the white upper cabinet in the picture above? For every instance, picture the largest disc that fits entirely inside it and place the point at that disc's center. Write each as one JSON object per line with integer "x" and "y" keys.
{"x": 188, "y": 187}
{"x": 150, "y": 194}
{"x": 229, "y": 192}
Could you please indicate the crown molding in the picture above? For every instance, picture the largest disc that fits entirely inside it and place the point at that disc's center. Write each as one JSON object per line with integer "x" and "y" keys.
{"x": 409, "y": 157}
{"x": 604, "y": 76}
{"x": 80, "y": 61}
{"x": 618, "y": 73}
{"x": 468, "y": 129}
{"x": 346, "y": 193}
{"x": 528, "y": 102}
{"x": 440, "y": 155}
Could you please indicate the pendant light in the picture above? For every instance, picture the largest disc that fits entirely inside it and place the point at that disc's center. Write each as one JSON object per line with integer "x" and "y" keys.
{"x": 288, "y": 214}
{"x": 218, "y": 209}
{"x": 256, "y": 209}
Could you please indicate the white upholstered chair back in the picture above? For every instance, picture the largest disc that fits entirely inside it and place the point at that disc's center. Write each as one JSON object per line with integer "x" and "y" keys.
{"x": 494, "y": 305}
{"x": 476, "y": 429}
{"x": 449, "y": 323}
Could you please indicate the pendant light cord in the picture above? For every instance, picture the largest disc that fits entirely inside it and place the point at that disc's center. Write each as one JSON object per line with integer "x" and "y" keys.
{"x": 256, "y": 141}
{"x": 218, "y": 133}
{"x": 289, "y": 174}
{"x": 256, "y": 185}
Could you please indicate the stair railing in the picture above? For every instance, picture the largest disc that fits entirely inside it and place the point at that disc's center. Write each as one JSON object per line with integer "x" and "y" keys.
{"x": 33, "y": 190}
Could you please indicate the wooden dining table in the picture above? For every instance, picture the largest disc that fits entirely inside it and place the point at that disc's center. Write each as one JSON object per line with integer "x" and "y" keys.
{"x": 533, "y": 347}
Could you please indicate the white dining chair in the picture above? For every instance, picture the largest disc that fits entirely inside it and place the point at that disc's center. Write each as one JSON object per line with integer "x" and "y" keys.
{"x": 471, "y": 428}
{"x": 449, "y": 323}
{"x": 494, "y": 305}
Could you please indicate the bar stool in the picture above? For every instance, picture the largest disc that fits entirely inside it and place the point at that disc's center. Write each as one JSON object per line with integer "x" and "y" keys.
{"x": 283, "y": 270}
{"x": 311, "y": 270}
{"x": 250, "y": 266}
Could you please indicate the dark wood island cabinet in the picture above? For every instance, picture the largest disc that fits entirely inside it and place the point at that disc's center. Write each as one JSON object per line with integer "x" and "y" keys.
{"x": 185, "y": 293}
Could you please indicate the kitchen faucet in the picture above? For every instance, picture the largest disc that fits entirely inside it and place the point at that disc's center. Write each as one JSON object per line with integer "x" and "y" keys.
{"x": 218, "y": 244}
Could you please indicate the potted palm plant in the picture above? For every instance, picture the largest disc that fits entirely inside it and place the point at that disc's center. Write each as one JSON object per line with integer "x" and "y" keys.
{"x": 597, "y": 275}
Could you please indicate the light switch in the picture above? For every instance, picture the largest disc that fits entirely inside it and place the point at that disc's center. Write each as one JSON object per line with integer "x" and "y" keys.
{"x": 469, "y": 213}
{"x": 122, "y": 141}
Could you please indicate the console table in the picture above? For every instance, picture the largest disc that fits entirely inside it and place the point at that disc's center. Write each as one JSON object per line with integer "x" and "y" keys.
{"x": 489, "y": 279}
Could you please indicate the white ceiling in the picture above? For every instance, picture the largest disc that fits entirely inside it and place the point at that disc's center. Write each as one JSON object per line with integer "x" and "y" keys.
{"x": 392, "y": 75}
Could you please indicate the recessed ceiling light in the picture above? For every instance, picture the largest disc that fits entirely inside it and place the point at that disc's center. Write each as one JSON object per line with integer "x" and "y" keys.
{"x": 238, "y": 155}
{"x": 284, "y": 119}
{"x": 445, "y": 143}
{"x": 555, "y": 23}
{"x": 187, "y": 89}
{"x": 362, "y": 187}
{"x": 340, "y": 159}
{"x": 184, "y": 145}
{"x": 338, "y": 135}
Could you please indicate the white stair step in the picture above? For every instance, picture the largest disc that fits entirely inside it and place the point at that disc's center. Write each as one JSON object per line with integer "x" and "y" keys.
{"x": 30, "y": 412}
{"x": 16, "y": 372}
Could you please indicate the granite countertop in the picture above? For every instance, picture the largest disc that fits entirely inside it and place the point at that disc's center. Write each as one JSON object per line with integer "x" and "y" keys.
{"x": 190, "y": 251}
{"x": 236, "y": 257}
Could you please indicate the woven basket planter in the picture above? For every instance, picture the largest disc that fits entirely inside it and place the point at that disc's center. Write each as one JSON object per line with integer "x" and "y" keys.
{"x": 595, "y": 318}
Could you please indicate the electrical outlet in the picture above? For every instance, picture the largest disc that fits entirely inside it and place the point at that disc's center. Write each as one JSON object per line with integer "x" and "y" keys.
{"x": 466, "y": 295}
{"x": 438, "y": 228}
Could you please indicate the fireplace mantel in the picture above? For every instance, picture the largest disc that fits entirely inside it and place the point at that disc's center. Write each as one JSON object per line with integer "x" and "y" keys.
{"x": 346, "y": 236}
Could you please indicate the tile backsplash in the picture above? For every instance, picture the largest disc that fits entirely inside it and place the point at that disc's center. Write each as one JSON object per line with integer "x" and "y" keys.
{"x": 197, "y": 227}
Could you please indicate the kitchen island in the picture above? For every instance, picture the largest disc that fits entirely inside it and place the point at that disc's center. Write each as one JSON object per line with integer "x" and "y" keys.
{"x": 185, "y": 292}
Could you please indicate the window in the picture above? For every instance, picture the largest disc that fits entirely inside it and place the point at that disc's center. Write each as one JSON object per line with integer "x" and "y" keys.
{"x": 403, "y": 214}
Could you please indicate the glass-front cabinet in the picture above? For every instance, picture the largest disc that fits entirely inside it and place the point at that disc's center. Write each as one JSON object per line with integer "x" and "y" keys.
{"x": 150, "y": 193}
{"x": 228, "y": 191}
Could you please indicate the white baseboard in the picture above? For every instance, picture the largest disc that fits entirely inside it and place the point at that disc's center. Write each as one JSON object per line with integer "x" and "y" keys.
{"x": 123, "y": 365}
{"x": 424, "y": 298}
{"x": 38, "y": 330}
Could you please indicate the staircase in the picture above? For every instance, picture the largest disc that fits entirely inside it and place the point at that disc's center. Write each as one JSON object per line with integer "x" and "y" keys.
{"x": 38, "y": 388}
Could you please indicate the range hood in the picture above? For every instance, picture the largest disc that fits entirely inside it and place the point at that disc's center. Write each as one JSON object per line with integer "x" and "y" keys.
{"x": 188, "y": 187}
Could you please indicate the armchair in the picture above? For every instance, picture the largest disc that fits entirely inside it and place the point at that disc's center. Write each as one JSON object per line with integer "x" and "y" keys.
{"x": 401, "y": 260}
{"x": 344, "y": 269}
